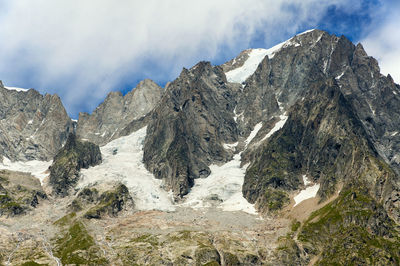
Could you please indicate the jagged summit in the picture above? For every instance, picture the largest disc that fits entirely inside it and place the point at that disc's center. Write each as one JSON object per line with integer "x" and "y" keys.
{"x": 117, "y": 111}
{"x": 241, "y": 67}
{"x": 33, "y": 126}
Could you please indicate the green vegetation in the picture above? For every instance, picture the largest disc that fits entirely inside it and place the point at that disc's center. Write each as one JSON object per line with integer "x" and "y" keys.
{"x": 65, "y": 220}
{"x": 10, "y": 206}
{"x": 31, "y": 263}
{"x": 147, "y": 238}
{"x": 295, "y": 226}
{"x": 275, "y": 199}
{"x": 352, "y": 230}
{"x": 78, "y": 247}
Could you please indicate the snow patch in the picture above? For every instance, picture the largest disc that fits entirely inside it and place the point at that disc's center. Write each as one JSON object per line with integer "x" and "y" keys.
{"x": 240, "y": 74}
{"x": 36, "y": 168}
{"x": 15, "y": 89}
{"x": 122, "y": 162}
{"x": 230, "y": 146}
{"x": 341, "y": 75}
{"x": 306, "y": 181}
{"x": 307, "y": 31}
{"x": 307, "y": 193}
{"x": 223, "y": 186}
{"x": 277, "y": 126}
{"x": 253, "y": 133}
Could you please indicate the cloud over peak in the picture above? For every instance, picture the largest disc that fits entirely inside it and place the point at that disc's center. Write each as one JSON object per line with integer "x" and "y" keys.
{"x": 83, "y": 49}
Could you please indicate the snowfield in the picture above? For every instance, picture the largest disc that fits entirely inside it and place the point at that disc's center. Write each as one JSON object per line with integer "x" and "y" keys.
{"x": 37, "y": 168}
{"x": 122, "y": 161}
{"x": 307, "y": 193}
{"x": 224, "y": 185}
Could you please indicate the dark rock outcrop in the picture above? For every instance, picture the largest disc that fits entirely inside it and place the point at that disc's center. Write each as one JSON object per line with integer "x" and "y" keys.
{"x": 64, "y": 172}
{"x": 187, "y": 129}
{"x": 97, "y": 204}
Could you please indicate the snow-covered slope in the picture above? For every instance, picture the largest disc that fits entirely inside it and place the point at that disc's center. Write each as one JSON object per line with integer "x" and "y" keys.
{"x": 15, "y": 89}
{"x": 223, "y": 188}
{"x": 240, "y": 74}
{"x": 122, "y": 161}
{"x": 309, "y": 192}
{"x": 37, "y": 168}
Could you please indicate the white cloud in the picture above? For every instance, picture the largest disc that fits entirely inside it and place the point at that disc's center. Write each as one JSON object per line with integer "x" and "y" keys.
{"x": 383, "y": 43}
{"x": 82, "y": 49}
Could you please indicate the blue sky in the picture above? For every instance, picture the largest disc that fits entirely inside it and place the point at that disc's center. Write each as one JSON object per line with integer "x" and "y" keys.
{"x": 82, "y": 50}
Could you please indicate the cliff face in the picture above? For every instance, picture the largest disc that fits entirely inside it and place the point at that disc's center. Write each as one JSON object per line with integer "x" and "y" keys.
{"x": 32, "y": 126}
{"x": 117, "y": 111}
{"x": 321, "y": 82}
{"x": 188, "y": 128}
{"x": 64, "y": 172}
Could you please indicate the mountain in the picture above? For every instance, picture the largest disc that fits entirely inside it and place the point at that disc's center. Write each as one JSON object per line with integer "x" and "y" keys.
{"x": 33, "y": 126}
{"x": 117, "y": 111}
{"x": 281, "y": 156}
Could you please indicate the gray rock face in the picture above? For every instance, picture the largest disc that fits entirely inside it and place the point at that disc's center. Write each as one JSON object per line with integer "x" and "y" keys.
{"x": 189, "y": 126}
{"x": 196, "y": 116}
{"x": 32, "y": 126}
{"x": 279, "y": 83}
{"x": 117, "y": 111}
{"x": 286, "y": 78}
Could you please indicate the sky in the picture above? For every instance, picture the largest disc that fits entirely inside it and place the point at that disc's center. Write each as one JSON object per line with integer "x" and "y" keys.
{"x": 82, "y": 50}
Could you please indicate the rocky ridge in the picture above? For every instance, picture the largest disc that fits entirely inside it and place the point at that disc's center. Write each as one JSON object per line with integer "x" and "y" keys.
{"x": 117, "y": 111}
{"x": 314, "y": 106}
{"x": 33, "y": 126}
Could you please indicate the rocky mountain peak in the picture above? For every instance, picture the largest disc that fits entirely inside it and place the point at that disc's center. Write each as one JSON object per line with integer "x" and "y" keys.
{"x": 117, "y": 111}
{"x": 32, "y": 126}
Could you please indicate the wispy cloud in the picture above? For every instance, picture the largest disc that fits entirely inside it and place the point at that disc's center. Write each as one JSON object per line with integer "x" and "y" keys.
{"x": 382, "y": 40}
{"x": 83, "y": 49}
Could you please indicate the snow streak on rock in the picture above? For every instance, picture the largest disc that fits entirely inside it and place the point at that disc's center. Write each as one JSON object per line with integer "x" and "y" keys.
{"x": 15, "y": 89}
{"x": 277, "y": 126}
{"x": 307, "y": 193}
